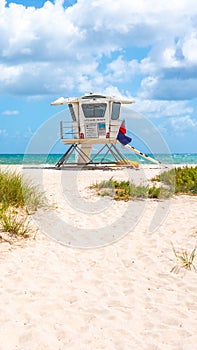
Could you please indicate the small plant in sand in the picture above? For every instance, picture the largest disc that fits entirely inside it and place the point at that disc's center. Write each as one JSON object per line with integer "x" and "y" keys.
{"x": 105, "y": 184}
{"x": 159, "y": 192}
{"x": 184, "y": 259}
{"x": 14, "y": 224}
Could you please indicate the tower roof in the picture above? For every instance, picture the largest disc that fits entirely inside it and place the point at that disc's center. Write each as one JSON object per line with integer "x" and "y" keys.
{"x": 91, "y": 97}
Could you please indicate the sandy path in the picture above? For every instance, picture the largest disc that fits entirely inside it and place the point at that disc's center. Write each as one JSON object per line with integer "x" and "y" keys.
{"x": 120, "y": 296}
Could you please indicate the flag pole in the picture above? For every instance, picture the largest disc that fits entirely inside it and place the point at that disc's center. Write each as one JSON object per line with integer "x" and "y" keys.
{"x": 143, "y": 155}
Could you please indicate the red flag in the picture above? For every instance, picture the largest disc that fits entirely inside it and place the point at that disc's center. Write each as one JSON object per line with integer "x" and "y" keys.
{"x": 122, "y": 137}
{"x": 123, "y": 127}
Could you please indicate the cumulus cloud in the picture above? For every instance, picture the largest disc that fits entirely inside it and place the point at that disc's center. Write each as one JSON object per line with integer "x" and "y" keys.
{"x": 156, "y": 109}
{"x": 183, "y": 123}
{"x": 169, "y": 89}
{"x": 85, "y": 46}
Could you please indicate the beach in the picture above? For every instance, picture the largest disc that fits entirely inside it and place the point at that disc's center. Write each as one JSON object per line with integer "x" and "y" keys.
{"x": 97, "y": 272}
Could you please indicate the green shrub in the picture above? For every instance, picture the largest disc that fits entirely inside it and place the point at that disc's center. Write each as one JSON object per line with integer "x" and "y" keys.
{"x": 182, "y": 180}
{"x": 186, "y": 180}
{"x": 107, "y": 183}
{"x": 167, "y": 177}
{"x": 106, "y": 192}
{"x": 154, "y": 192}
{"x": 159, "y": 192}
{"x": 178, "y": 180}
{"x": 125, "y": 190}
{"x": 138, "y": 191}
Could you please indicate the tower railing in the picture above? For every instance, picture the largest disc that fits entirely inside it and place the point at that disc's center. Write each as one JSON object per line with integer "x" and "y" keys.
{"x": 70, "y": 129}
{"x": 67, "y": 130}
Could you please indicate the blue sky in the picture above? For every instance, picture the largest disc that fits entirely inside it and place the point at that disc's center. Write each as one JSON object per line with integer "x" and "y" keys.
{"x": 142, "y": 50}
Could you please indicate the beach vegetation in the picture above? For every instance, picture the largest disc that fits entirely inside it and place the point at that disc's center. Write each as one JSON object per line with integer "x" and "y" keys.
{"x": 184, "y": 259}
{"x": 105, "y": 184}
{"x": 14, "y": 191}
{"x": 181, "y": 180}
{"x": 120, "y": 190}
{"x": 125, "y": 190}
{"x": 17, "y": 199}
{"x": 14, "y": 224}
{"x": 175, "y": 181}
{"x": 162, "y": 192}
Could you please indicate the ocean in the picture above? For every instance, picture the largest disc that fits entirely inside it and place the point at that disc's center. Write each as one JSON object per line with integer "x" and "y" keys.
{"x": 52, "y": 159}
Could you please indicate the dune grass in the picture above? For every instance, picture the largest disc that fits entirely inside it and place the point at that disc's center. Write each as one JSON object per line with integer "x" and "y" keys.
{"x": 120, "y": 190}
{"x": 125, "y": 190}
{"x": 16, "y": 192}
{"x": 184, "y": 180}
{"x": 174, "y": 181}
{"x": 20, "y": 194}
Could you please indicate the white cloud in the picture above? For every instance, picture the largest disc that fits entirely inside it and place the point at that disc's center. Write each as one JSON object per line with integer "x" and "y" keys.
{"x": 190, "y": 49}
{"x": 2, "y": 6}
{"x": 3, "y": 133}
{"x": 183, "y": 123}
{"x": 169, "y": 57}
{"x": 10, "y": 74}
{"x": 54, "y": 49}
{"x": 10, "y": 112}
{"x": 162, "y": 109}
{"x": 184, "y": 126}
{"x": 59, "y": 2}
{"x": 114, "y": 91}
{"x": 169, "y": 88}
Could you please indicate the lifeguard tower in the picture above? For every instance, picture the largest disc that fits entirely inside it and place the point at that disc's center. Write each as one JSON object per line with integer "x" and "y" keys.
{"x": 95, "y": 121}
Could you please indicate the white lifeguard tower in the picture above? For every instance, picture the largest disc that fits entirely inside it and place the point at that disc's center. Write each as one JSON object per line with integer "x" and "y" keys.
{"x": 95, "y": 121}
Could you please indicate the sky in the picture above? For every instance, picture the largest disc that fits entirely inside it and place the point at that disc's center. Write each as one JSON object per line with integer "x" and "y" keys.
{"x": 143, "y": 50}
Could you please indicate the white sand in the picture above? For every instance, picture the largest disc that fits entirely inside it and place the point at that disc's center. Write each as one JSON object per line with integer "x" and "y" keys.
{"x": 119, "y": 296}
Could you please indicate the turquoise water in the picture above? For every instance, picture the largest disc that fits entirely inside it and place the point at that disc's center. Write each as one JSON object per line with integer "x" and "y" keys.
{"x": 52, "y": 159}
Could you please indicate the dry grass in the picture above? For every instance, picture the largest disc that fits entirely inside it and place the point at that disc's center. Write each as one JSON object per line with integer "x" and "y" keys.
{"x": 184, "y": 259}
